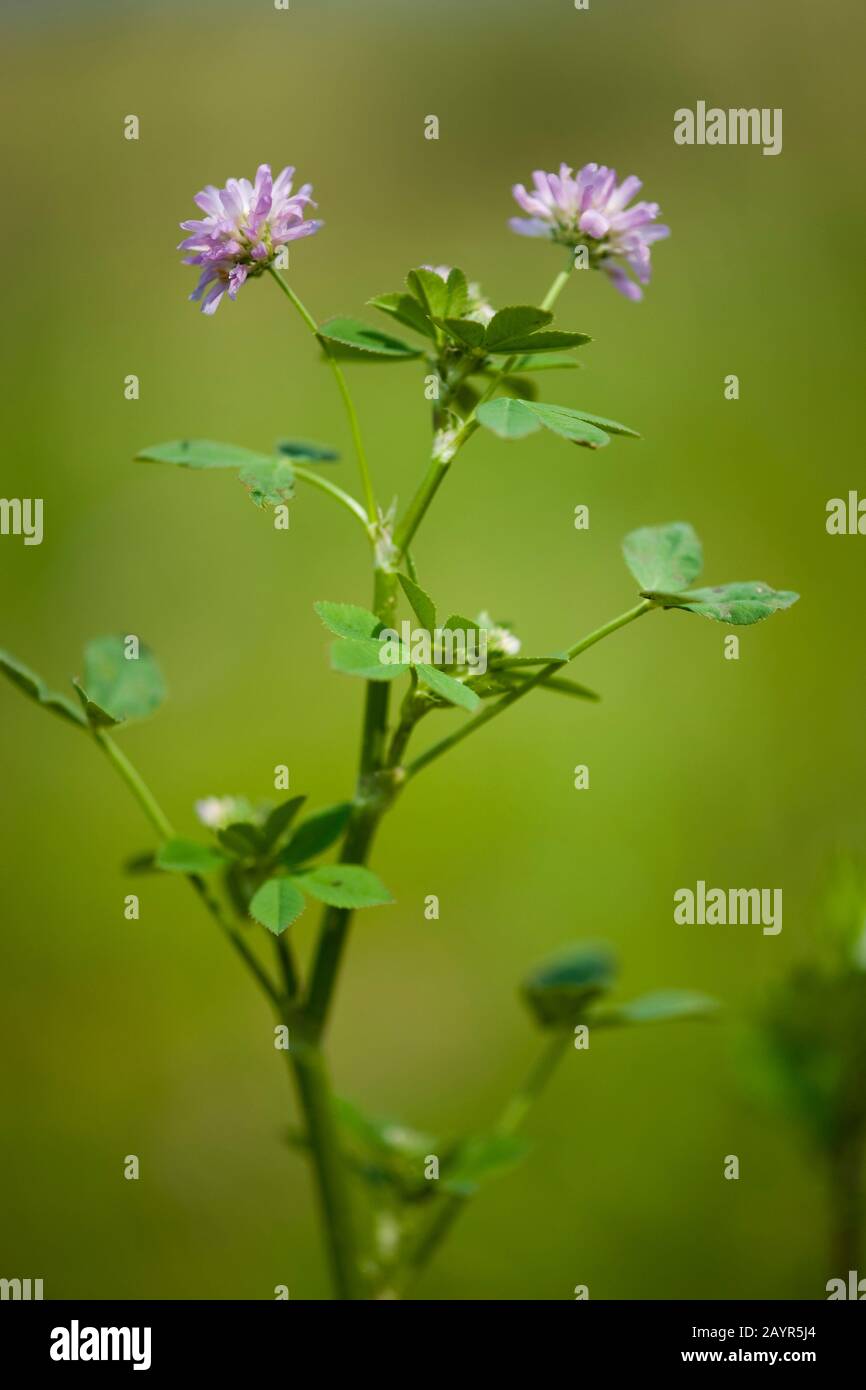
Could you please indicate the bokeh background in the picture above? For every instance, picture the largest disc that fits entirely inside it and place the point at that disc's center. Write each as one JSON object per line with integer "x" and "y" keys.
{"x": 145, "y": 1038}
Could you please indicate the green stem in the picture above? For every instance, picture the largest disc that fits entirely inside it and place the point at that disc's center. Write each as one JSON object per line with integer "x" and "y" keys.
{"x": 520, "y": 1104}
{"x": 310, "y": 1077}
{"x": 506, "y": 701}
{"x": 352, "y": 414}
{"x": 438, "y": 467}
{"x": 307, "y": 475}
{"x": 137, "y": 785}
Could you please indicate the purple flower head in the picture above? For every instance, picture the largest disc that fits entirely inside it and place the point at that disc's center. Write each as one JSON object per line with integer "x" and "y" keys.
{"x": 589, "y": 209}
{"x": 244, "y": 226}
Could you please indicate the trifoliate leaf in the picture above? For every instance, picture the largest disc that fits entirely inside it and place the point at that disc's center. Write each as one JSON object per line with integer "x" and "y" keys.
{"x": 480, "y": 1157}
{"x": 276, "y": 904}
{"x": 347, "y": 337}
{"x": 202, "y": 453}
{"x": 422, "y": 604}
{"x": 317, "y": 833}
{"x": 664, "y": 1006}
{"x": 559, "y": 990}
{"x": 512, "y": 419}
{"x": 347, "y": 619}
{"x": 345, "y": 885}
{"x": 514, "y": 323}
{"x": 740, "y": 604}
{"x": 34, "y": 687}
{"x": 447, "y": 688}
{"x": 269, "y": 483}
{"x": 188, "y": 857}
{"x": 364, "y": 658}
{"x": 664, "y": 557}
{"x": 119, "y": 686}
{"x": 406, "y": 310}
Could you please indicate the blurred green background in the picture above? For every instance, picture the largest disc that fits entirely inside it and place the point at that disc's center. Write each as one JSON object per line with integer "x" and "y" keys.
{"x": 145, "y": 1038}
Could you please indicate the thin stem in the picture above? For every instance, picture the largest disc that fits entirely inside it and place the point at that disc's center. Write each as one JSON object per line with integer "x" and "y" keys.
{"x": 313, "y": 1089}
{"x": 500, "y": 706}
{"x": 558, "y": 285}
{"x": 439, "y": 465}
{"x": 340, "y": 379}
{"x": 512, "y": 1119}
{"x": 520, "y": 1104}
{"x": 371, "y": 802}
{"x": 137, "y": 785}
{"x": 307, "y": 475}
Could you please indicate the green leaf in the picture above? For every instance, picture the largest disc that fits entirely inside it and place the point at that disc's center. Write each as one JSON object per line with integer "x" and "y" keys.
{"x": 304, "y": 452}
{"x": 430, "y": 290}
{"x": 118, "y": 686}
{"x": 554, "y": 340}
{"x": 507, "y": 417}
{"x": 740, "y": 604}
{"x": 345, "y": 885}
{"x": 347, "y": 619}
{"x": 513, "y": 324}
{"x": 563, "y": 686}
{"x": 545, "y": 362}
{"x": 479, "y": 1157}
{"x": 95, "y": 716}
{"x": 358, "y": 342}
{"x": 270, "y": 482}
{"x": 559, "y": 990}
{"x": 406, "y": 310}
{"x": 276, "y": 904}
{"x": 458, "y": 294}
{"x": 568, "y": 423}
{"x": 188, "y": 857}
{"x": 664, "y": 557}
{"x": 34, "y": 687}
{"x": 610, "y": 426}
{"x": 664, "y": 1006}
{"x": 512, "y": 419}
{"x": 279, "y": 820}
{"x": 464, "y": 331}
{"x": 317, "y": 833}
{"x": 242, "y": 840}
{"x": 422, "y": 604}
{"x": 447, "y": 688}
{"x": 202, "y": 453}
{"x": 364, "y": 658}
